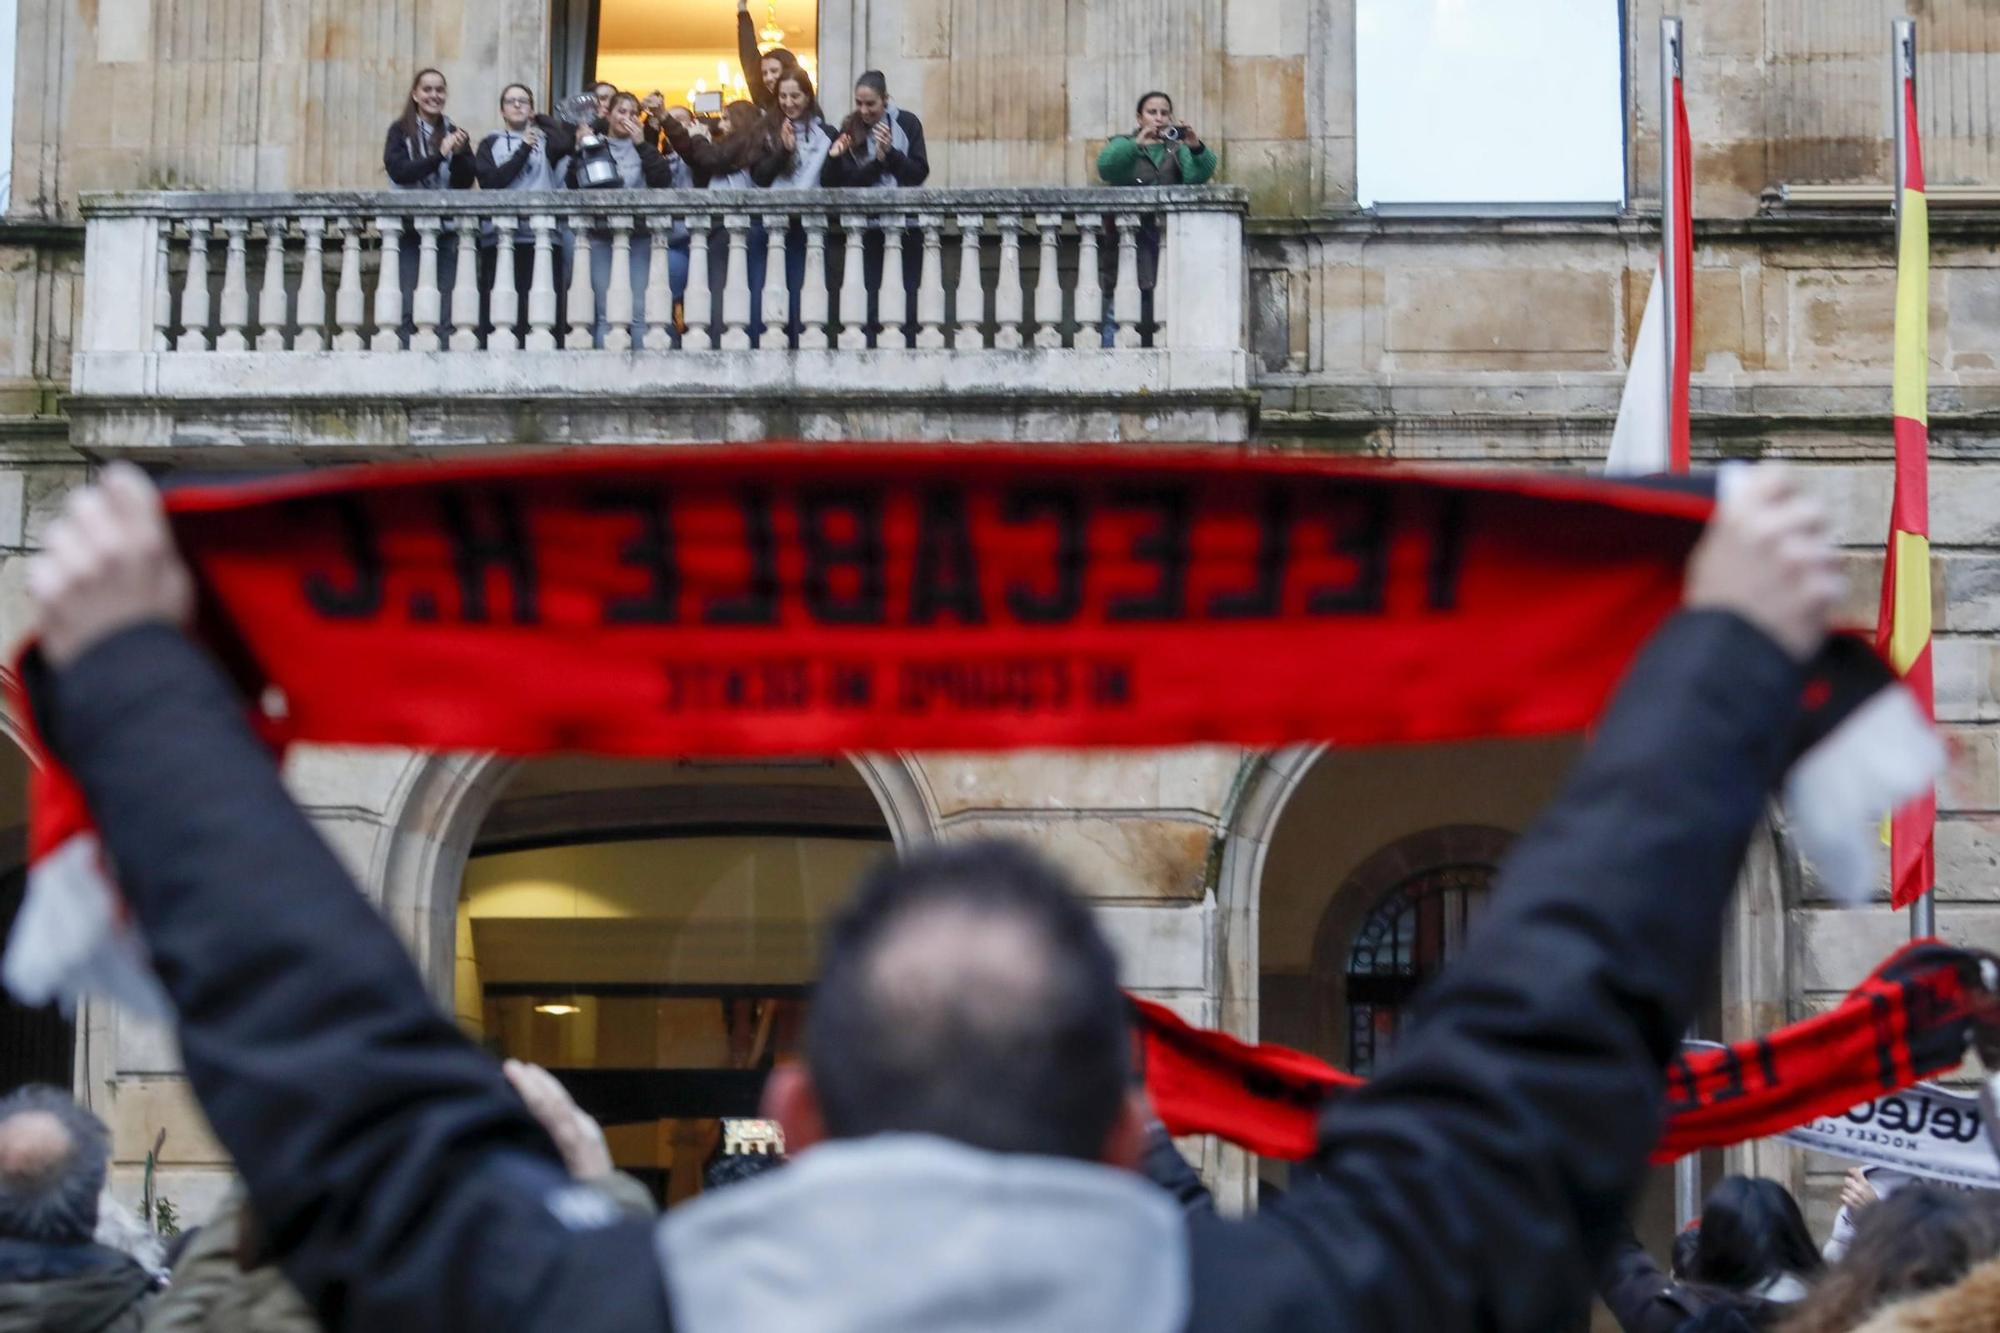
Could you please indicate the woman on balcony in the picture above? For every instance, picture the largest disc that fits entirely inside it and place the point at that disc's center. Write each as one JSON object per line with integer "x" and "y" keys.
{"x": 425, "y": 151}
{"x": 802, "y": 143}
{"x": 525, "y": 155}
{"x": 760, "y": 72}
{"x": 639, "y": 167}
{"x": 1162, "y": 150}
{"x": 881, "y": 147}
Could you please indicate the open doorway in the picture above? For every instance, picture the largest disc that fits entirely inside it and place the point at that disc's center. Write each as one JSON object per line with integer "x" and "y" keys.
{"x": 682, "y": 48}
{"x": 649, "y": 931}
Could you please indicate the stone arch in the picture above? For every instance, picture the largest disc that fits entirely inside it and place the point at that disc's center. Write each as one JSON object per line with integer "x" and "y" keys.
{"x": 441, "y": 802}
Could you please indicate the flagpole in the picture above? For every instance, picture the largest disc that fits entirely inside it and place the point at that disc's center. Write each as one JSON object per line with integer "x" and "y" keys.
{"x": 1903, "y": 32}
{"x": 1670, "y": 260}
{"x": 1687, "y": 1169}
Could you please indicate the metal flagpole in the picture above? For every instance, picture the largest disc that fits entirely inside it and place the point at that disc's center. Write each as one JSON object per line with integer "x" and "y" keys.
{"x": 1670, "y": 224}
{"x": 1687, "y": 1170}
{"x": 1923, "y": 912}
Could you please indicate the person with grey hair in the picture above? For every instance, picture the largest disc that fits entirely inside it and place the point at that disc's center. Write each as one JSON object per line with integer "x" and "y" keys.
{"x": 54, "y": 1277}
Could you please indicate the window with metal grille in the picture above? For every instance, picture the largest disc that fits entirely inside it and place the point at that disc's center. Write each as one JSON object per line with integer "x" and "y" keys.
{"x": 1407, "y": 938}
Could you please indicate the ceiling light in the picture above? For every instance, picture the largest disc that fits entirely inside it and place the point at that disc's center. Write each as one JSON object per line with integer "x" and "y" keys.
{"x": 558, "y": 1009}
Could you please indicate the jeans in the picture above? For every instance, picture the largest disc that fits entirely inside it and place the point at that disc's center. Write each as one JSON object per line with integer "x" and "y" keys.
{"x": 795, "y": 277}
{"x": 409, "y": 258}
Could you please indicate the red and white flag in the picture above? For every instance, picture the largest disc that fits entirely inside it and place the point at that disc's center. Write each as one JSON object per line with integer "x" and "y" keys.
{"x": 1652, "y": 432}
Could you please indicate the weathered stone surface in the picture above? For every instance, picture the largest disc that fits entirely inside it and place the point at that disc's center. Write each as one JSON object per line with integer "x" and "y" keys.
{"x": 1129, "y": 859}
{"x": 1492, "y": 313}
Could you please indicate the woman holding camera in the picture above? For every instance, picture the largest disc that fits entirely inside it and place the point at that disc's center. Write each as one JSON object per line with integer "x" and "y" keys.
{"x": 425, "y": 151}
{"x": 1161, "y": 151}
{"x": 635, "y": 166}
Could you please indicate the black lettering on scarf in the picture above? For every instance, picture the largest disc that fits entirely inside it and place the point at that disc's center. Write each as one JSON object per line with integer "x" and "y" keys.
{"x": 946, "y": 574}
{"x": 758, "y": 603}
{"x": 858, "y": 554}
{"x": 498, "y": 538}
{"x": 1265, "y": 598}
{"x": 360, "y": 595}
{"x": 1366, "y": 543}
{"x": 1065, "y": 601}
{"x": 651, "y": 551}
{"x": 1165, "y": 547}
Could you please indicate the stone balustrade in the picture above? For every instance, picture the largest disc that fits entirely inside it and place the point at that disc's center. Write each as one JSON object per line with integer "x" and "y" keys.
{"x": 215, "y": 319}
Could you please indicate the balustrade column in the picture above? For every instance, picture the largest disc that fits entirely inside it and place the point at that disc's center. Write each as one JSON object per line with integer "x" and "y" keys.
{"x": 618, "y": 290}
{"x": 776, "y": 306}
{"x": 854, "y": 281}
{"x": 736, "y": 284}
{"x": 698, "y": 306}
{"x": 427, "y": 302}
{"x": 971, "y": 283}
{"x": 194, "y": 290}
{"x": 465, "y": 289}
{"x": 348, "y": 309}
{"x": 582, "y": 297}
{"x": 311, "y": 333}
{"x": 1007, "y": 297}
{"x": 1125, "y": 299}
{"x": 271, "y": 296}
{"x": 1089, "y": 285}
{"x": 542, "y": 286}
{"x": 503, "y": 306}
{"x": 1048, "y": 281}
{"x": 389, "y": 287}
{"x": 892, "y": 298}
{"x": 163, "y": 290}
{"x": 235, "y": 288}
{"x": 930, "y": 287}
{"x": 812, "y": 290}
{"x": 659, "y": 284}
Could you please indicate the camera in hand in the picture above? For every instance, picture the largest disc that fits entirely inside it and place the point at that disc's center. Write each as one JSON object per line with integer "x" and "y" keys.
{"x": 1172, "y": 133}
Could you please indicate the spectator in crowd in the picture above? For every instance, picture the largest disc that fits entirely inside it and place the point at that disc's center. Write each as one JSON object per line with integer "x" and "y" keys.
{"x": 603, "y": 90}
{"x": 736, "y": 1168}
{"x": 425, "y": 151}
{"x": 1161, "y": 151}
{"x": 653, "y": 110}
{"x": 54, "y": 1278}
{"x": 881, "y": 146}
{"x": 1920, "y": 1239}
{"x": 760, "y": 72}
{"x": 802, "y": 143}
{"x": 1748, "y": 1259}
{"x": 733, "y": 161}
{"x": 225, "y": 1281}
{"x": 962, "y": 1137}
{"x": 639, "y": 168}
{"x": 527, "y": 154}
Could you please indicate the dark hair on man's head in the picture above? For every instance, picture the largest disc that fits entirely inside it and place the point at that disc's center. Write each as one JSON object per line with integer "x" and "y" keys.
{"x": 875, "y": 80}
{"x": 735, "y": 1168}
{"x": 604, "y": 83}
{"x": 1921, "y": 1238}
{"x": 53, "y": 1157}
{"x": 967, "y": 992}
{"x": 1751, "y": 1232}
{"x": 1140, "y": 109}
{"x": 1682, "y": 1257}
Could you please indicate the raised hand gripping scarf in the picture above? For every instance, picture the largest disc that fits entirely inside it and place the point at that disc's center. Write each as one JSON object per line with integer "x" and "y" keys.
{"x": 789, "y": 600}
{"x": 1912, "y": 1018}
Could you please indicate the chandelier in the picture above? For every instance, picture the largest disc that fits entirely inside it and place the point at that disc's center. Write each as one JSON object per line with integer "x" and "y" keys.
{"x": 770, "y": 34}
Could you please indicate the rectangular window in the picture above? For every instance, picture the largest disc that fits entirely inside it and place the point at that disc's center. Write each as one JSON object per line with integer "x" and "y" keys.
{"x": 684, "y": 47}
{"x": 1504, "y": 102}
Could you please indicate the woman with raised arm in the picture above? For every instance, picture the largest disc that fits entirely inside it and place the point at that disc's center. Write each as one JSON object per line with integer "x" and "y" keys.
{"x": 760, "y": 72}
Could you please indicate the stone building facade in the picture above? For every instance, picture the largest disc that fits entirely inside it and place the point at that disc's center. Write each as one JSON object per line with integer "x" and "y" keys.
{"x": 1242, "y": 887}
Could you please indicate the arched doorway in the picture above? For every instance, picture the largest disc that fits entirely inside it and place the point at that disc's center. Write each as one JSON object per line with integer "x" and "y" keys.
{"x": 36, "y": 1045}
{"x": 649, "y": 932}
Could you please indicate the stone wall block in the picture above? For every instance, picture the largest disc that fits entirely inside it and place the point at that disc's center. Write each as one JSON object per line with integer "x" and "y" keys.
{"x": 1128, "y": 859}
{"x": 1264, "y": 97}
{"x": 137, "y": 1109}
{"x": 1972, "y": 779}
{"x": 1493, "y": 311}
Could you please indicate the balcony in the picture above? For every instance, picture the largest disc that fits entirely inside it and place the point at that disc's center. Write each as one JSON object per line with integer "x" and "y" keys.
{"x": 270, "y": 325}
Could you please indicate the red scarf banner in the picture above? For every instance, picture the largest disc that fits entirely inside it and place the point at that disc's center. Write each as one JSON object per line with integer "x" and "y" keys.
{"x": 786, "y": 601}
{"x": 795, "y": 601}
{"x": 1912, "y": 1018}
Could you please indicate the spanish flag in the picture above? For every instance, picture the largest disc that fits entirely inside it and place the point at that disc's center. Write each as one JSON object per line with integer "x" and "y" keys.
{"x": 1903, "y": 631}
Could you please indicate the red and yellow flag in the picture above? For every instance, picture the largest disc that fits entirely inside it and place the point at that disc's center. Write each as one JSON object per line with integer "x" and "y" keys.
{"x": 1903, "y": 631}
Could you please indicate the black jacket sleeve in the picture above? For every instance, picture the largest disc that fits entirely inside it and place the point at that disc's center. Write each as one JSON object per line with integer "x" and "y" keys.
{"x": 1640, "y": 1296}
{"x": 1477, "y": 1181}
{"x": 767, "y": 167}
{"x": 462, "y": 175}
{"x": 656, "y": 171}
{"x": 559, "y": 140}
{"x": 496, "y": 175}
{"x": 399, "y": 1180}
{"x": 910, "y": 168}
{"x": 403, "y": 168}
{"x": 704, "y": 157}
{"x": 1163, "y": 1164}
{"x": 753, "y": 63}
{"x": 840, "y": 173}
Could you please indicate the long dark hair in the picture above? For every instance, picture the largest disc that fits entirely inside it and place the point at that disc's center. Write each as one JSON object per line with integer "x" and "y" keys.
{"x": 804, "y": 80}
{"x": 748, "y": 134}
{"x": 875, "y": 81}
{"x": 1751, "y": 1232}
{"x": 411, "y": 115}
{"x": 1921, "y": 1238}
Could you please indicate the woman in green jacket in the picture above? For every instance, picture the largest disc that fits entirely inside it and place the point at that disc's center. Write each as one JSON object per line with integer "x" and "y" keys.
{"x": 1161, "y": 151}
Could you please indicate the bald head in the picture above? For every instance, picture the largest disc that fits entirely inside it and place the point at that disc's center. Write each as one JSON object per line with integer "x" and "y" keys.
{"x": 53, "y": 1156}
{"x": 966, "y": 992}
